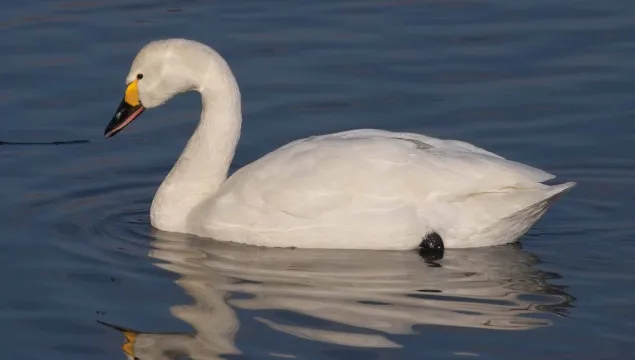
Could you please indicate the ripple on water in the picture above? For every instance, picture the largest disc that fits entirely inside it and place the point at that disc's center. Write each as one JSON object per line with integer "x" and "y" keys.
{"x": 93, "y": 221}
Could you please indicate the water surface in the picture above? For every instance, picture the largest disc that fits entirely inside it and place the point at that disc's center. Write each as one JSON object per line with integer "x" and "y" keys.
{"x": 547, "y": 83}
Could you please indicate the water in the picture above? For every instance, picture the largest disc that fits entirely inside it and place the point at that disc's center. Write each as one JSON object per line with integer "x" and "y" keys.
{"x": 548, "y": 83}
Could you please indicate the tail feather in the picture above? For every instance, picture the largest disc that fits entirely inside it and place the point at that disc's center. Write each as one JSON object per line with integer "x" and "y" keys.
{"x": 553, "y": 194}
{"x": 517, "y": 224}
{"x": 503, "y": 217}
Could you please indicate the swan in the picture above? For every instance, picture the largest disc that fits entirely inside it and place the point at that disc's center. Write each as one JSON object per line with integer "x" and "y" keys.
{"x": 359, "y": 189}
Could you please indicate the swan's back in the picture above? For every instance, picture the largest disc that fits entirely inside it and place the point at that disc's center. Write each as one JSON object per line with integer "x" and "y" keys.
{"x": 396, "y": 185}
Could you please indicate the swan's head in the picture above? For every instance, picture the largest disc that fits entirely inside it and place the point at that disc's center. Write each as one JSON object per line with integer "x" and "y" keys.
{"x": 163, "y": 69}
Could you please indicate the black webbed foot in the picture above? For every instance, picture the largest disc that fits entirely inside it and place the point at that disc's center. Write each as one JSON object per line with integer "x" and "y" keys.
{"x": 432, "y": 241}
{"x": 431, "y": 248}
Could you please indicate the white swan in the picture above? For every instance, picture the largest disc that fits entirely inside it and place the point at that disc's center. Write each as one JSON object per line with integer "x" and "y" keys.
{"x": 361, "y": 189}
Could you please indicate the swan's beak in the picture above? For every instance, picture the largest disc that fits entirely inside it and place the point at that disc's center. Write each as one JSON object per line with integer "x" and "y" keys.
{"x": 129, "y": 109}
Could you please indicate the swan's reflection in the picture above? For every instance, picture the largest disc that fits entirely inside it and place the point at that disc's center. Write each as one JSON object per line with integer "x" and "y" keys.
{"x": 363, "y": 295}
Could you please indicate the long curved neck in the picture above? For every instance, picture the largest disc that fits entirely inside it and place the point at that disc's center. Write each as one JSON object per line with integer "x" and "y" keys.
{"x": 203, "y": 166}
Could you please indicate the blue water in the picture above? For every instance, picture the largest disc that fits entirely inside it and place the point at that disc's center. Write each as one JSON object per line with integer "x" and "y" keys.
{"x": 547, "y": 83}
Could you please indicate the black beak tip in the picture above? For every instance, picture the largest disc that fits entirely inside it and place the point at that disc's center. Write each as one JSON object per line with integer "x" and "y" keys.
{"x": 124, "y": 115}
{"x": 108, "y": 131}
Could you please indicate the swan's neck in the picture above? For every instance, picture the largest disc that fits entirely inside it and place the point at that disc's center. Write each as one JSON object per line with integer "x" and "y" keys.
{"x": 203, "y": 166}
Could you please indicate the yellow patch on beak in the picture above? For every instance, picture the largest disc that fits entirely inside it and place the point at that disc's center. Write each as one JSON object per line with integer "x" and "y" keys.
{"x": 132, "y": 94}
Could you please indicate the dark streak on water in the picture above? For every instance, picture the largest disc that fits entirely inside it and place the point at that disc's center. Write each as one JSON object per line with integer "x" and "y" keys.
{"x": 548, "y": 83}
{"x": 43, "y": 143}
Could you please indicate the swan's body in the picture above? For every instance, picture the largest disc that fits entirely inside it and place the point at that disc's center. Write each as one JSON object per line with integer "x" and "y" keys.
{"x": 362, "y": 189}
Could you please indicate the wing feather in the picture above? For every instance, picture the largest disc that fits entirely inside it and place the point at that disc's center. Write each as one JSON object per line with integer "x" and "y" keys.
{"x": 371, "y": 170}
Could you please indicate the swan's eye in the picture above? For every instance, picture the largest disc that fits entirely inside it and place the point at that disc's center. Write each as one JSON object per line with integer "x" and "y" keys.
{"x": 139, "y": 76}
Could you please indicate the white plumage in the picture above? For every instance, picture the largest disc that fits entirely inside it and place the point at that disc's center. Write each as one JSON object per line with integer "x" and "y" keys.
{"x": 361, "y": 189}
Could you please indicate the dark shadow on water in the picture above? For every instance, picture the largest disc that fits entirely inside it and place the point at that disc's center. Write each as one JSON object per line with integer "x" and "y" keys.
{"x": 359, "y": 299}
{"x": 71, "y": 142}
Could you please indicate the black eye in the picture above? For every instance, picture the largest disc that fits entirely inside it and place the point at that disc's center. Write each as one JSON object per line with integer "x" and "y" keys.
{"x": 139, "y": 76}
